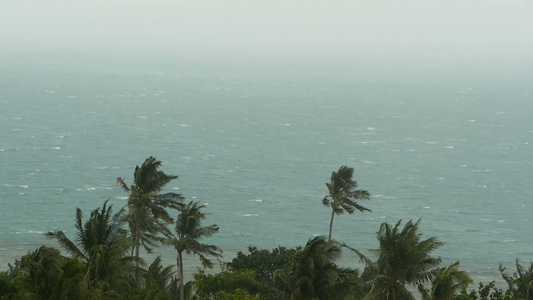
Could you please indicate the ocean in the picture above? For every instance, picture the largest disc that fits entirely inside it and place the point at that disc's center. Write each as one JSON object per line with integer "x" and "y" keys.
{"x": 256, "y": 145}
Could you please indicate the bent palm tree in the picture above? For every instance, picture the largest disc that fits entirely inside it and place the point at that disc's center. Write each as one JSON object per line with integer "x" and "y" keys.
{"x": 343, "y": 195}
{"x": 158, "y": 283}
{"x": 38, "y": 273}
{"x": 101, "y": 246}
{"x": 314, "y": 274}
{"x": 404, "y": 255}
{"x": 520, "y": 282}
{"x": 188, "y": 232}
{"x": 147, "y": 214}
{"x": 403, "y": 258}
{"x": 448, "y": 282}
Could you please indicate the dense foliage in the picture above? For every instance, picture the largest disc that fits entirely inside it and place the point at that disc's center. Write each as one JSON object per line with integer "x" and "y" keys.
{"x": 102, "y": 260}
{"x": 263, "y": 261}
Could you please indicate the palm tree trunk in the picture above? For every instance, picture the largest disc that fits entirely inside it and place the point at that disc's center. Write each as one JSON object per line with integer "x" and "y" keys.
{"x": 180, "y": 274}
{"x": 331, "y": 225}
{"x": 137, "y": 238}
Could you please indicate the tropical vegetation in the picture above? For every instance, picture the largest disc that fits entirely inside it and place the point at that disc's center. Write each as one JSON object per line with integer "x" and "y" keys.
{"x": 102, "y": 259}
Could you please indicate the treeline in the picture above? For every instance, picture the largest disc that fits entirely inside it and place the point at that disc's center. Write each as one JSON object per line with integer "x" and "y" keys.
{"x": 103, "y": 260}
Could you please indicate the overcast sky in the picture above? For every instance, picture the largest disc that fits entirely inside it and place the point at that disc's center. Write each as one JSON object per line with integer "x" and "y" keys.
{"x": 278, "y": 28}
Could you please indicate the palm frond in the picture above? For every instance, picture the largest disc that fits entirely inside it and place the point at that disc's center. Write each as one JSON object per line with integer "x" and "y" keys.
{"x": 123, "y": 185}
{"x": 362, "y": 258}
{"x": 65, "y": 243}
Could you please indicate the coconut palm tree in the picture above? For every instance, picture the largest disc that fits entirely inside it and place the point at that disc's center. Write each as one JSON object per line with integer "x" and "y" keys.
{"x": 314, "y": 274}
{"x": 159, "y": 277}
{"x": 156, "y": 283}
{"x": 188, "y": 233}
{"x": 37, "y": 273}
{"x": 101, "y": 245}
{"x": 520, "y": 282}
{"x": 403, "y": 259}
{"x": 343, "y": 195}
{"x": 447, "y": 283}
{"x": 147, "y": 214}
{"x": 404, "y": 255}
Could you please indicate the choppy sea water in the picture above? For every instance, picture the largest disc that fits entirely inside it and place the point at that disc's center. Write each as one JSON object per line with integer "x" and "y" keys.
{"x": 257, "y": 150}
